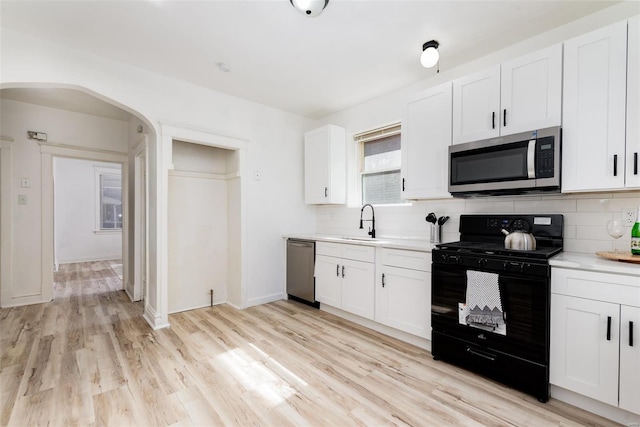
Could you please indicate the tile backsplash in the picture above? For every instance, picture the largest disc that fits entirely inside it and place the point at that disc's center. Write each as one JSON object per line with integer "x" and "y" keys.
{"x": 585, "y": 217}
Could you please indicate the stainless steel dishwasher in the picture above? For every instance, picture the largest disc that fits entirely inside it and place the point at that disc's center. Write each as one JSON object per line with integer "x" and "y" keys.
{"x": 301, "y": 257}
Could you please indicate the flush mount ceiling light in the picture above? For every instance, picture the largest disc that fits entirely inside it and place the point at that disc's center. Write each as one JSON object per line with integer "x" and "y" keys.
{"x": 430, "y": 54}
{"x": 310, "y": 8}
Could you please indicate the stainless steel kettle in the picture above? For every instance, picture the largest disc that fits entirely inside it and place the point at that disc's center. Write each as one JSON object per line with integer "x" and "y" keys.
{"x": 519, "y": 240}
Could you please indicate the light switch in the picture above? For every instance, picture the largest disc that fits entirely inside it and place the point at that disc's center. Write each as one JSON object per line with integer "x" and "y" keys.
{"x": 256, "y": 175}
{"x": 22, "y": 199}
{"x": 25, "y": 182}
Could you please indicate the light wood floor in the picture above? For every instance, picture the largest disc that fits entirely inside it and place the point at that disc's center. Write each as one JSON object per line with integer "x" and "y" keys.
{"x": 88, "y": 358}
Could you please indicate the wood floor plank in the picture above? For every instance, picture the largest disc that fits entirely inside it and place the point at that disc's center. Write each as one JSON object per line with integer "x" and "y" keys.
{"x": 88, "y": 358}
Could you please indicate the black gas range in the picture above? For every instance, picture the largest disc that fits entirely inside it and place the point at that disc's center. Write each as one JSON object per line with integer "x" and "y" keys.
{"x": 490, "y": 305}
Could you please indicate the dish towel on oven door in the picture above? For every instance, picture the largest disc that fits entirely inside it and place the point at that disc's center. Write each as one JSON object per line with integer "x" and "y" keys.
{"x": 483, "y": 308}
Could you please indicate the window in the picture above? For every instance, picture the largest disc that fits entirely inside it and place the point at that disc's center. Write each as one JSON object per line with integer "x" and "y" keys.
{"x": 109, "y": 199}
{"x": 380, "y": 177}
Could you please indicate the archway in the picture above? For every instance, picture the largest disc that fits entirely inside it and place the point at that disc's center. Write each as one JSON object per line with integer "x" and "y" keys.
{"x": 47, "y": 151}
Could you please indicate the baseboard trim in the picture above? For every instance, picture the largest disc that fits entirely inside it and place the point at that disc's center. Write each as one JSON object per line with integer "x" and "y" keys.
{"x": 266, "y": 299}
{"x": 596, "y": 407}
{"x": 383, "y": 329}
{"x": 153, "y": 319}
{"x": 74, "y": 260}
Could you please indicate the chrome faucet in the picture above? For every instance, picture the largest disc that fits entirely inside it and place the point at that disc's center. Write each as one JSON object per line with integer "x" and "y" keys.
{"x": 372, "y": 229}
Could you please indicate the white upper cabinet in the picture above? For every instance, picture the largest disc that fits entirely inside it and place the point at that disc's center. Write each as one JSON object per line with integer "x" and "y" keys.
{"x": 531, "y": 91}
{"x": 595, "y": 73}
{"x": 518, "y": 96}
{"x": 325, "y": 166}
{"x": 426, "y": 136}
{"x": 476, "y": 103}
{"x": 632, "y": 168}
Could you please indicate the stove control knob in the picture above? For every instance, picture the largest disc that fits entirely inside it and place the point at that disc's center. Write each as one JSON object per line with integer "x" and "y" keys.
{"x": 482, "y": 262}
{"x": 506, "y": 266}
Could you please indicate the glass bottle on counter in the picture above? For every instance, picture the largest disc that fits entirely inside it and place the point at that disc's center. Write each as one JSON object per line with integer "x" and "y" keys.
{"x": 635, "y": 235}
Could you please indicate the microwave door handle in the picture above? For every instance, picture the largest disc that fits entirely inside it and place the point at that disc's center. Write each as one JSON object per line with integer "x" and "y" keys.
{"x": 531, "y": 159}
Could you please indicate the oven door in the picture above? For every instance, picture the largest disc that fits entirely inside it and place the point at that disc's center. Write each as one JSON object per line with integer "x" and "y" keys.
{"x": 525, "y": 307}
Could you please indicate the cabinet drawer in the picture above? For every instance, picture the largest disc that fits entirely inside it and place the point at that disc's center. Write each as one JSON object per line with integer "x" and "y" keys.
{"x": 329, "y": 249}
{"x": 346, "y": 251}
{"x": 414, "y": 260}
{"x": 614, "y": 288}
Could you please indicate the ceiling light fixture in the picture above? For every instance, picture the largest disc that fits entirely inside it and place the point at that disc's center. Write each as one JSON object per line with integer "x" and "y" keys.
{"x": 430, "y": 54}
{"x": 310, "y": 8}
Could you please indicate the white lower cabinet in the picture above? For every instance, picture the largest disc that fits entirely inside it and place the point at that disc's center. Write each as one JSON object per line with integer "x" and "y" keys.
{"x": 403, "y": 291}
{"x": 345, "y": 276}
{"x": 595, "y": 348}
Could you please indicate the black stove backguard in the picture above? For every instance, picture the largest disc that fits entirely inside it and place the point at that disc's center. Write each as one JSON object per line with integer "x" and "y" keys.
{"x": 490, "y": 306}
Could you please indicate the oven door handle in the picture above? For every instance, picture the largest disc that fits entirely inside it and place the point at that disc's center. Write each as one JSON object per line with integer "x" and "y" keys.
{"x": 480, "y": 354}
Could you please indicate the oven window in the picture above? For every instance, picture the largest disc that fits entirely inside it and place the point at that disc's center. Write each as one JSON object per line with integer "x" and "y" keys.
{"x": 501, "y": 163}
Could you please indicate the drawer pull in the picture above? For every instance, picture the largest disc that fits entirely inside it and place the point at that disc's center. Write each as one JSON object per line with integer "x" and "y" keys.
{"x": 343, "y": 271}
{"x": 630, "y": 334}
{"x": 479, "y": 354}
{"x": 608, "y": 328}
{"x": 383, "y": 280}
{"x": 337, "y": 270}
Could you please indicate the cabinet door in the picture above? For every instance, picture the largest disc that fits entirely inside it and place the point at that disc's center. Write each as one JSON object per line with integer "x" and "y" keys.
{"x": 358, "y": 288}
{"x": 584, "y": 357}
{"x": 531, "y": 91}
{"x": 632, "y": 169}
{"x": 476, "y": 105}
{"x": 630, "y": 358}
{"x": 325, "y": 166}
{"x": 328, "y": 280}
{"x": 316, "y": 167}
{"x": 426, "y": 136}
{"x": 594, "y": 110}
{"x": 404, "y": 300}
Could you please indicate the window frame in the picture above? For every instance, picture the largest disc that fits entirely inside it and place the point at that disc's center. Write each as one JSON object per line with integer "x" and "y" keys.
{"x": 98, "y": 173}
{"x": 360, "y": 139}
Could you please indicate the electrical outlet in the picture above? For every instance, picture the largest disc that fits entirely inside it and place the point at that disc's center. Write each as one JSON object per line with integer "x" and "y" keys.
{"x": 629, "y": 216}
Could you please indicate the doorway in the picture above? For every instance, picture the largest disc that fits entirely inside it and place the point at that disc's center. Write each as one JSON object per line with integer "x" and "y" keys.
{"x": 88, "y": 223}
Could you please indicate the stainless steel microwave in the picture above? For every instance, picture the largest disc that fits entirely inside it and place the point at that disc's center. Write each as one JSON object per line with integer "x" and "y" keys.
{"x": 522, "y": 163}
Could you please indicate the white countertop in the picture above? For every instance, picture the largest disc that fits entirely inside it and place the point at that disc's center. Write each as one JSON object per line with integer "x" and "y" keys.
{"x": 580, "y": 261}
{"x": 393, "y": 243}
{"x": 592, "y": 262}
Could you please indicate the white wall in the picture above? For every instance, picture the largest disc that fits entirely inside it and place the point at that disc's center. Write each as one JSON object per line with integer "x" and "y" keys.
{"x": 275, "y": 204}
{"x": 585, "y": 214}
{"x": 76, "y": 239}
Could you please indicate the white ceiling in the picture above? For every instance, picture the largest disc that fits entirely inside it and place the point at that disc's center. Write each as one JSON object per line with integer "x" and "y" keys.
{"x": 352, "y": 52}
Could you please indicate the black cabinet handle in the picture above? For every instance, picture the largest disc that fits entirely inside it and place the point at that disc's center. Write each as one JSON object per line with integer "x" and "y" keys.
{"x": 608, "y": 328}
{"x": 635, "y": 163}
{"x": 493, "y": 120}
{"x": 343, "y": 271}
{"x": 383, "y": 280}
{"x": 402, "y": 184}
{"x": 337, "y": 270}
{"x": 630, "y": 334}
{"x": 504, "y": 117}
{"x": 326, "y": 191}
{"x": 615, "y": 165}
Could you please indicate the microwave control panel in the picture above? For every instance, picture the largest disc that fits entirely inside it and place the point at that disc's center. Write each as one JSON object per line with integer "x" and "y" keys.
{"x": 545, "y": 158}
